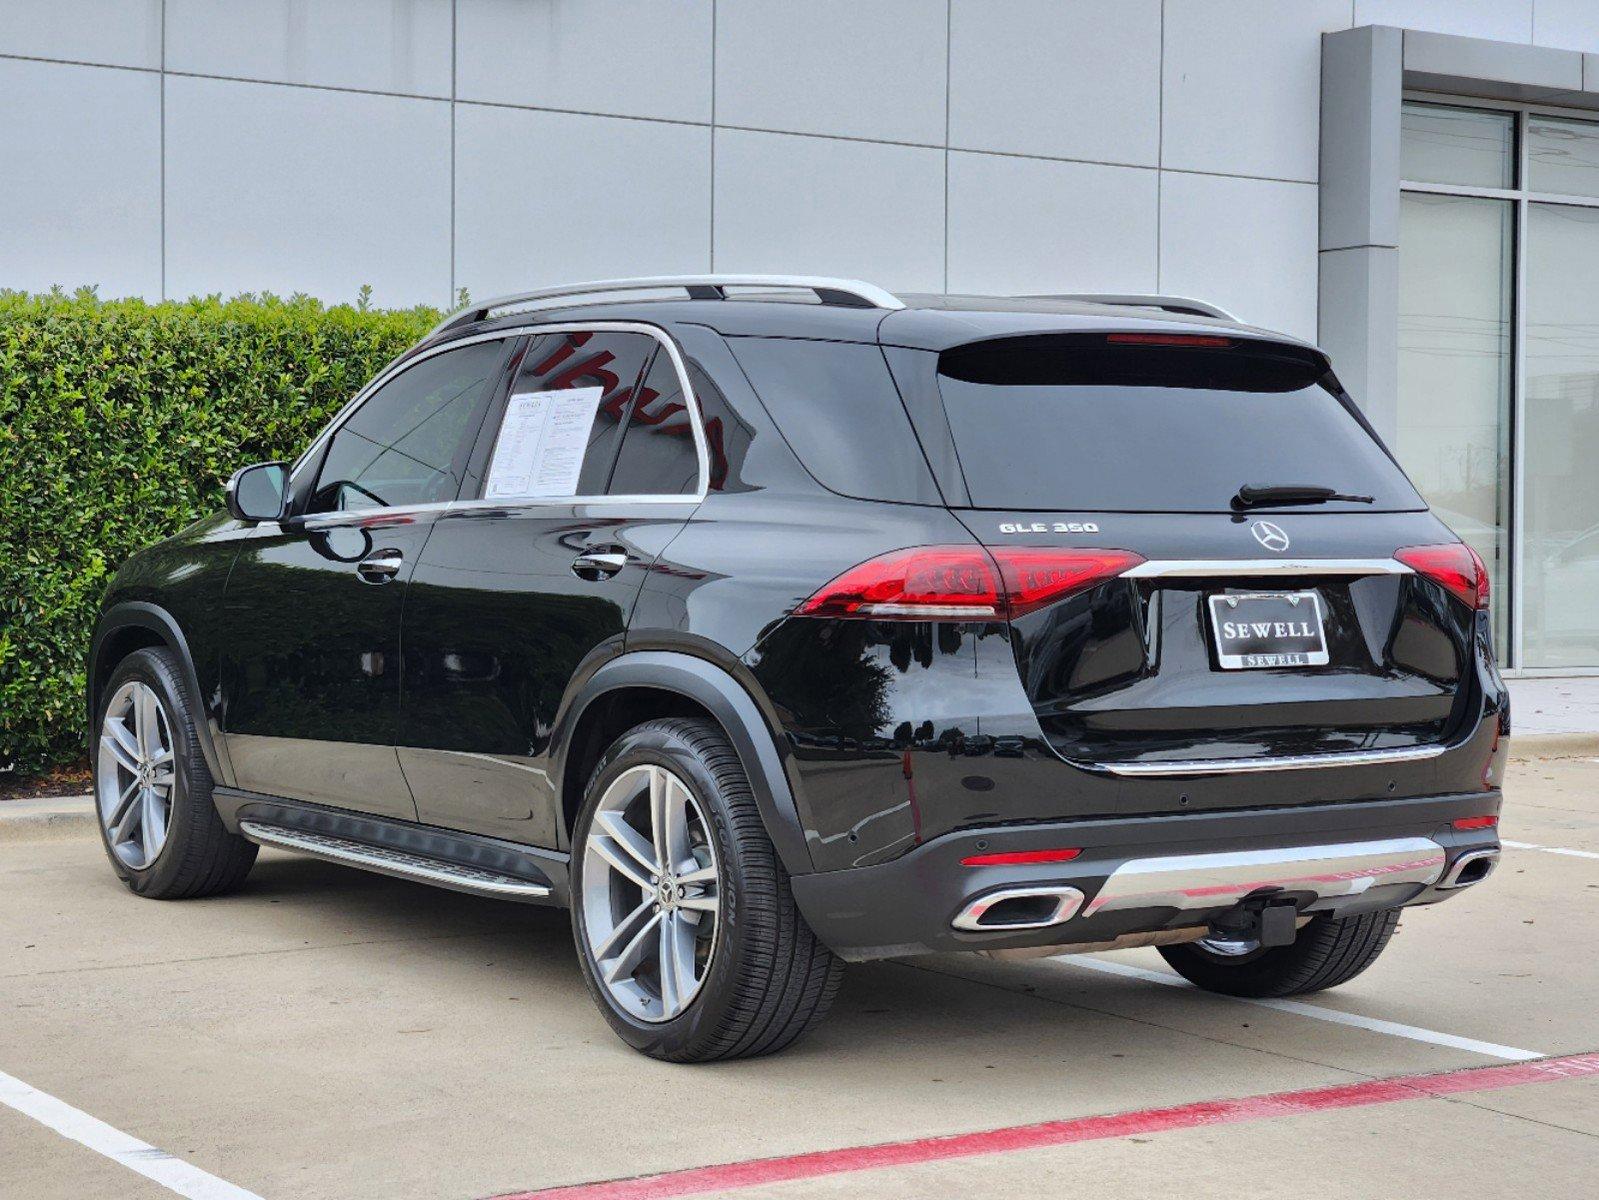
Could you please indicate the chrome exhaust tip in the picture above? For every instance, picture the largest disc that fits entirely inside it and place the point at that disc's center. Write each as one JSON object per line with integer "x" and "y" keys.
{"x": 1471, "y": 867}
{"x": 1019, "y": 908}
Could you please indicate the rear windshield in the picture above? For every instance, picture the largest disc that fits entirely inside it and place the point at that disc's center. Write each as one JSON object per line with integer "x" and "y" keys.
{"x": 1073, "y": 422}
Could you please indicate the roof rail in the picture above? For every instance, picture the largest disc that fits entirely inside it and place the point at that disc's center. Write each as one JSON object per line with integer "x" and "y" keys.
{"x": 1171, "y": 304}
{"x": 847, "y": 293}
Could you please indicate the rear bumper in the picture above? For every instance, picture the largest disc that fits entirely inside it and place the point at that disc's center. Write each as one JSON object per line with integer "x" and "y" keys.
{"x": 1149, "y": 875}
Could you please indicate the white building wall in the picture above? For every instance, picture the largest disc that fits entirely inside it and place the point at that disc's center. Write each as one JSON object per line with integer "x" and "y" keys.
{"x": 167, "y": 147}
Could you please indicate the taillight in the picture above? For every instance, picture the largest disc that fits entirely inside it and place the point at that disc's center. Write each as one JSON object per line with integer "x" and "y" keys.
{"x": 1466, "y": 823}
{"x": 1035, "y": 577}
{"x": 963, "y": 583}
{"x": 1455, "y": 566}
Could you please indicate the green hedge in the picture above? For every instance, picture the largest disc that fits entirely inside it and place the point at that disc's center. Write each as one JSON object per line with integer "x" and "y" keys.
{"x": 120, "y": 422}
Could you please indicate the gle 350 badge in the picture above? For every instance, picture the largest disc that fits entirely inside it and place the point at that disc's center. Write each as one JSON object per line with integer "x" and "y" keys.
{"x": 1048, "y": 527}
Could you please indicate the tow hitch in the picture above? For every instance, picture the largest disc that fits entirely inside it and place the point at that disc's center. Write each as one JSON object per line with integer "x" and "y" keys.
{"x": 1254, "y": 925}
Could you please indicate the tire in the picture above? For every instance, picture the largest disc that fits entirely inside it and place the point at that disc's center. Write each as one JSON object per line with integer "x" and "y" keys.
{"x": 1328, "y": 951}
{"x": 196, "y": 855}
{"x": 766, "y": 980}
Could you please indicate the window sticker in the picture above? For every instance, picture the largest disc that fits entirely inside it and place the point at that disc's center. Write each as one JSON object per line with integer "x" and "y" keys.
{"x": 543, "y": 438}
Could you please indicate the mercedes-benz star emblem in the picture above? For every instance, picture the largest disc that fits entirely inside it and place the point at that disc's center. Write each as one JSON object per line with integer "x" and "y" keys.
{"x": 1270, "y": 536}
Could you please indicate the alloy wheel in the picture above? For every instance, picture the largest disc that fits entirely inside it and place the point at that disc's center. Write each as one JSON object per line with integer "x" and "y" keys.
{"x": 650, "y": 893}
{"x": 136, "y": 773}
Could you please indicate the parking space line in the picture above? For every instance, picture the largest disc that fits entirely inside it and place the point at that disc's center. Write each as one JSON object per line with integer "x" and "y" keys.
{"x": 1550, "y": 849}
{"x": 1374, "y": 1024}
{"x": 156, "y": 1165}
{"x": 765, "y": 1171}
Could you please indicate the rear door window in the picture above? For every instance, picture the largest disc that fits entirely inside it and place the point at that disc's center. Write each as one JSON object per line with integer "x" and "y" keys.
{"x": 658, "y": 456}
{"x": 569, "y": 397}
{"x": 1075, "y": 422}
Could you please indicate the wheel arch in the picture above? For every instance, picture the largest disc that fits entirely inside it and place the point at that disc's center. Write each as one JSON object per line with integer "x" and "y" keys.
{"x": 643, "y": 684}
{"x": 138, "y": 625}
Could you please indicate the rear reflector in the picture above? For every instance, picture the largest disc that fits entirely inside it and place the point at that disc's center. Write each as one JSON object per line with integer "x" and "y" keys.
{"x": 1475, "y": 823}
{"x": 1019, "y": 858}
{"x": 1202, "y": 340}
{"x": 964, "y": 583}
{"x": 1455, "y": 566}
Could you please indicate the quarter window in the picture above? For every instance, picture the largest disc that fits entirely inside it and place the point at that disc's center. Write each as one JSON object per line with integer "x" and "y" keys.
{"x": 407, "y": 444}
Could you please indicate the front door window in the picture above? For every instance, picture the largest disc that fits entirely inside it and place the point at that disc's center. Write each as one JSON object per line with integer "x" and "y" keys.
{"x": 407, "y": 443}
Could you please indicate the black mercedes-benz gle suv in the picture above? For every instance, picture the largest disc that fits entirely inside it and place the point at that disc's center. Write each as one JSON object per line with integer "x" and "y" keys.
{"x": 768, "y": 623}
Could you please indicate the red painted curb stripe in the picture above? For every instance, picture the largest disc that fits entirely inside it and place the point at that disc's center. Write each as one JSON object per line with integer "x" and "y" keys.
{"x": 755, "y": 1172}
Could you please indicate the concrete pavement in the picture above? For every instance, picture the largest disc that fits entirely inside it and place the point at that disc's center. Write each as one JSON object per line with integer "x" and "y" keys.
{"x": 326, "y": 1033}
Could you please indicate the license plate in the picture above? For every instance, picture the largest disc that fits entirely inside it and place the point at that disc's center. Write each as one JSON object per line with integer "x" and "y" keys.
{"x": 1268, "y": 629}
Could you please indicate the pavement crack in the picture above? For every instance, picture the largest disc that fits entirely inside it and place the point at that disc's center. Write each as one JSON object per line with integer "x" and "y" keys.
{"x": 1488, "y": 1108}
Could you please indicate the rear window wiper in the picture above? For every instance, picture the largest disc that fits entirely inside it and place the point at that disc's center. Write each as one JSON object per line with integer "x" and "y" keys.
{"x": 1265, "y": 495}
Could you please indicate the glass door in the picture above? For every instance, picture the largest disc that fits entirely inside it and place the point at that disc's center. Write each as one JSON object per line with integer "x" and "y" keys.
{"x": 1456, "y": 281}
{"x": 1499, "y": 360}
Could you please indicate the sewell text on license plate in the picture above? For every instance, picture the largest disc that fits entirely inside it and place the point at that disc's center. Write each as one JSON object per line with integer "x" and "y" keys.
{"x": 1268, "y": 629}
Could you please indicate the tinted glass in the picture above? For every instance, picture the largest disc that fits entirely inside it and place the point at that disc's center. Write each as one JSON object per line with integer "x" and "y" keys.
{"x": 1069, "y": 423}
{"x": 1457, "y": 145}
{"x": 836, "y": 405}
{"x": 1563, "y": 156}
{"x": 408, "y": 442}
{"x": 658, "y": 456}
{"x": 607, "y": 361}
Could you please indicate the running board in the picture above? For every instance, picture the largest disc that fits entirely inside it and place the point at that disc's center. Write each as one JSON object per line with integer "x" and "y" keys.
{"x": 399, "y": 863}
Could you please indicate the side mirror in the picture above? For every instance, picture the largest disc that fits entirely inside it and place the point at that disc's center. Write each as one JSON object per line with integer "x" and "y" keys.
{"x": 256, "y": 493}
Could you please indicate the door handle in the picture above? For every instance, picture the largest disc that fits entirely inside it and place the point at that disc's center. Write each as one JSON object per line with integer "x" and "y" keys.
{"x": 594, "y": 565}
{"x": 380, "y": 566}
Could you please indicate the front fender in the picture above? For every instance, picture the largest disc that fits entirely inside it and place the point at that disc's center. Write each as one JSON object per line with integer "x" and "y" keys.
{"x": 730, "y": 703}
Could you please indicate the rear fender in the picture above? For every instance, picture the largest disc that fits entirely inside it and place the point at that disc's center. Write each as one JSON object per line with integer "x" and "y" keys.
{"x": 734, "y": 709}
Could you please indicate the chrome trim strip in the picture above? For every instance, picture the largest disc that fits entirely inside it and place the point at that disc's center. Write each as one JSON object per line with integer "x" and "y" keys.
{"x": 386, "y": 861}
{"x": 1206, "y": 881}
{"x": 1287, "y": 762}
{"x": 696, "y": 418}
{"x": 1067, "y": 901}
{"x": 375, "y": 516}
{"x": 1186, "y": 567}
{"x": 1451, "y": 881}
{"x": 568, "y": 294}
{"x": 512, "y": 504}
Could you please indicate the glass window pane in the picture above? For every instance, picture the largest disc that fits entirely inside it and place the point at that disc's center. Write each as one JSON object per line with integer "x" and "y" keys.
{"x": 408, "y": 442}
{"x": 837, "y": 407}
{"x": 1457, "y": 145}
{"x": 1561, "y": 556}
{"x": 658, "y": 456}
{"x": 607, "y": 360}
{"x": 1454, "y": 370}
{"x": 1150, "y": 429}
{"x": 1563, "y": 156}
